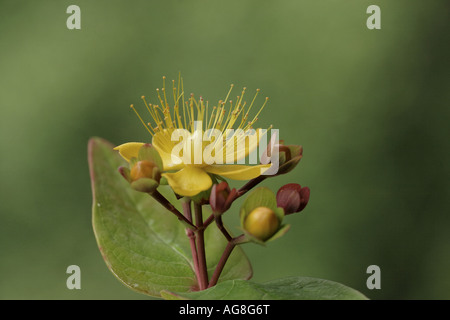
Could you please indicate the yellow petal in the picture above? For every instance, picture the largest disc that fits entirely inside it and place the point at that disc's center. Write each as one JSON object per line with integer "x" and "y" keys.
{"x": 129, "y": 150}
{"x": 163, "y": 143}
{"x": 236, "y": 171}
{"x": 189, "y": 181}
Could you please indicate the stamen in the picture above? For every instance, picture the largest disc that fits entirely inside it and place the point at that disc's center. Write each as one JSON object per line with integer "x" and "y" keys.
{"x": 159, "y": 97}
{"x": 191, "y": 107}
{"x": 135, "y": 111}
{"x": 220, "y": 118}
{"x": 164, "y": 91}
{"x": 256, "y": 117}
{"x": 180, "y": 79}
{"x": 229, "y": 91}
{"x": 174, "y": 90}
{"x": 148, "y": 107}
{"x": 211, "y": 117}
{"x": 219, "y": 111}
{"x": 251, "y": 104}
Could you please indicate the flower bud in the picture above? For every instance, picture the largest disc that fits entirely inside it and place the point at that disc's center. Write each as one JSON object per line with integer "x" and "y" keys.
{"x": 292, "y": 198}
{"x": 145, "y": 169}
{"x": 262, "y": 223}
{"x": 221, "y": 197}
{"x": 288, "y": 156}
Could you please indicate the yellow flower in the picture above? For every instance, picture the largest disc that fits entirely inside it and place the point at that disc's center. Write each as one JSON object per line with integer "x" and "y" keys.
{"x": 187, "y": 174}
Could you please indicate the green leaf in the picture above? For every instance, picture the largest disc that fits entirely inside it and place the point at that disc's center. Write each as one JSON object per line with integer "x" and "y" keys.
{"x": 281, "y": 232}
{"x": 293, "y": 288}
{"x": 280, "y": 213}
{"x": 143, "y": 244}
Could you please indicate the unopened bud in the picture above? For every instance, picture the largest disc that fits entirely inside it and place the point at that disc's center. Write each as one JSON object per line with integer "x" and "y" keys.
{"x": 145, "y": 169}
{"x": 292, "y": 198}
{"x": 288, "y": 156}
{"x": 262, "y": 223}
{"x": 221, "y": 197}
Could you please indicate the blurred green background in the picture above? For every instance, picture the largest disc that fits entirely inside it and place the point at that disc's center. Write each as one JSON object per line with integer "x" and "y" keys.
{"x": 370, "y": 108}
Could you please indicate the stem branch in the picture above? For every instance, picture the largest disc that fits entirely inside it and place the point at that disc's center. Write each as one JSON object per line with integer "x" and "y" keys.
{"x": 219, "y": 223}
{"x": 208, "y": 220}
{"x": 223, "y": 259}
{"x": 249, "y": 185}
{"x": 162, "y": 200}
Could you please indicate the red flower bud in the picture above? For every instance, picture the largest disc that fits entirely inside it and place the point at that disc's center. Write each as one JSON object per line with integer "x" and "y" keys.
{"x": 221, "y": 197}
{"x": 292, "y": 198}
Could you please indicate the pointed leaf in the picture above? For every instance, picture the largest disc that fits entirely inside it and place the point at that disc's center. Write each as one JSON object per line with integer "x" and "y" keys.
{"x": 281, "y": 232}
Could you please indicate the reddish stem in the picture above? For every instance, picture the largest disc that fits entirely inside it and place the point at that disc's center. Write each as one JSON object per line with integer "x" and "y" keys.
{"x": 208, "y": 220}
{"x": 162, "y": 200}
{"x": 191, "y": 235}
{"x": 223, "y": 259}
{"x": 249, "y": 185}
{"x": 219, "y": 223}
{"x": 203, "y": 272}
